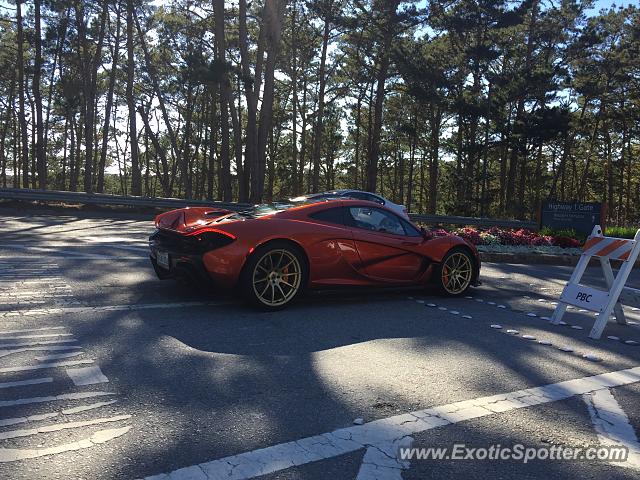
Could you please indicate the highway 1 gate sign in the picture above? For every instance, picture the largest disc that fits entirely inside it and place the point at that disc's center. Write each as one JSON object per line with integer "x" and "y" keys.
{"x": 581, "y": 217}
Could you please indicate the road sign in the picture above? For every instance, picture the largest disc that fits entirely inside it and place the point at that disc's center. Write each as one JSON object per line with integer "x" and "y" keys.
{"x": 581, "y": 217}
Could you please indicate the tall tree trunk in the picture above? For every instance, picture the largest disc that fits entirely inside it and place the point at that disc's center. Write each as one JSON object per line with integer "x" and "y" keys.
{"x": 107, "y": 114}
{"x": 225, "y": 96}
{"x": 252, "y": 90}
{"x": 158, "y": 92}
{"x": 518, "y": 149}
{"x": 73, "y": 171}
{"x": 57, "y": 60}
{"x": 318, "y": 131}
{"x": 389, "y": 7}
{"x": 5, "y": 127}
{"x": 274, "y": 12}
{"x": 213, "y": 143}
{"x": 303, "y": 139}
{"x": 37, "y": 95}
{"x": 34, "y": 170}
{"x": 358, "y": 140}
{"x": 87, "y": 106}
{"x": 164, "y": 174}
{"x": 295, "y": 187}
{"x": 236, "y": 126}
{"x": 136, "y": 180}
{"x": 435, "y": 122}
{"x": 22, "y": 119}
{"x": 16, "y": 143}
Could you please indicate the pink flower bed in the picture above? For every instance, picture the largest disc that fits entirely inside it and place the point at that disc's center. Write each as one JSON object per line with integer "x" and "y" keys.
{"x": 505, "y": 236}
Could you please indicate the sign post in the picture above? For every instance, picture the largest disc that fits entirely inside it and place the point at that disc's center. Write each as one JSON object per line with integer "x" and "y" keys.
{"x": 603, "y": 302}
{"x": 581, "y": 217}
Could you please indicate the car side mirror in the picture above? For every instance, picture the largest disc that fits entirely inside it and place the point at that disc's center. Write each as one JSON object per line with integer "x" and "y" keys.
{"x": 426, "y": 235}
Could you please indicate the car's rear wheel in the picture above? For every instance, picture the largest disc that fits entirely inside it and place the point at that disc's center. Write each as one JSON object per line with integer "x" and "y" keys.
{"x": 456, "y": 272}
{"x": 274, "y": 275}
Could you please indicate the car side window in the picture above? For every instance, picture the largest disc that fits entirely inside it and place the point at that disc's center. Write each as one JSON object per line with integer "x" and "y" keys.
{"x": 330, "y": 215}
{"x": 376, "y": 220}
{"x": 410, "y": 229}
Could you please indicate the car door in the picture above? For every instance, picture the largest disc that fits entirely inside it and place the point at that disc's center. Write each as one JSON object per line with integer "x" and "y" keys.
{"x": 388, "y": 246}
{"x": 332, "y": 251}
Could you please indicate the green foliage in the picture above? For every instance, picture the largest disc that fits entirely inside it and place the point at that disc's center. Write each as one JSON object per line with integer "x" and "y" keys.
{"x": 489, "y": 106}
{"x": 562, "y": 232}
{"x": 621, "y": 232}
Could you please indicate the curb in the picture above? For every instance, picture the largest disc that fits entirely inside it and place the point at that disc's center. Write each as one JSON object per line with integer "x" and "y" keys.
{"x": 529, "y": 258}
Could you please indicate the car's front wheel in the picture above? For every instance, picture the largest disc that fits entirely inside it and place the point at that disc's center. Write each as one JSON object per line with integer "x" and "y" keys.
{"x": 274, "y": 275}
{"x": 455, "y": 272}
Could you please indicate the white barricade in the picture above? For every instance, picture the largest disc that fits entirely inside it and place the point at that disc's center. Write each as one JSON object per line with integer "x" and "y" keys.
{"x": 603, "y": 302}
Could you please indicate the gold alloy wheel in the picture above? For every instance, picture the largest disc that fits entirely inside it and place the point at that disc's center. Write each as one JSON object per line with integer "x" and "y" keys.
{"x": 456, "y": 273}
{"x": 277, "y": 278}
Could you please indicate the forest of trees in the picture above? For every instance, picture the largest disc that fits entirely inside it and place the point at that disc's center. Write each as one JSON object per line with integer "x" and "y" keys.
{"x": 469, "y": 107}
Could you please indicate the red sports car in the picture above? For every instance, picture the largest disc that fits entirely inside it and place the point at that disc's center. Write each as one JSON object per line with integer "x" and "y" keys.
{"x": 274, "y": 252}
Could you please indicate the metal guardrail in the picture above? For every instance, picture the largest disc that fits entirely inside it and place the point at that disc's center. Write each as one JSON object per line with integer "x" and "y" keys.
{"x": 104, "y": 199}
{"x": 119, "y": 200}
{"x": 480, "y": 222}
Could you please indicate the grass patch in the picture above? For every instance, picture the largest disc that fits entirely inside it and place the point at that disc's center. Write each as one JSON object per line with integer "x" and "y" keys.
{"x": 621, "y": 232}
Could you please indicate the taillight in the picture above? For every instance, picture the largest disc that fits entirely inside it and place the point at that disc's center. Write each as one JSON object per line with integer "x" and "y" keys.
{"x": 209, "y": 239}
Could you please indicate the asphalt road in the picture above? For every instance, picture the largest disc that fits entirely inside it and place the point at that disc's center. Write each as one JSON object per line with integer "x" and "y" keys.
{"x": 108, "y": 373}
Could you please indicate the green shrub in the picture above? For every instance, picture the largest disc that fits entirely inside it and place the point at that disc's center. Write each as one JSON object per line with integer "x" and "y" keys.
{"x": 563, "y": 232}
{"x": 621, "y": 232}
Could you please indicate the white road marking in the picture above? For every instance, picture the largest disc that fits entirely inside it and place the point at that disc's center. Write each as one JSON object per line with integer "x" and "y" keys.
{"x": 380, "y": 462}
{"x": 28, "y": 275}
{"x": 27, "y": 330}
{"x": 56, "y": 398}
{"x": 44, "y": 335}
{"x": 39, "y": 342}
{"x": 26, "y": 368}
{"x": 109, "y": 308}
{"x": 612, "y": 425}
{"x": 30, "y": 281}
{"x": 21, "y": 296}
{"x": 84, "y": 408}
{"x": 86, "y": 376}
{"x": 5, "y": 422}
{"x": 79, "y": 256}
{"x": 4, "y": 353}
{"x": 102, "y": 436}
{"x": 22, "y": 383}
{"x": 60, "y": 426}
{"x": 58, "y": 356}
{"x": 65, "y": 253}
{"x": 388, "y": 430}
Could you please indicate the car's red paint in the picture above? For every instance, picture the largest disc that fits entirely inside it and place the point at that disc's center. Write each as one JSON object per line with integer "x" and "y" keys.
{"x": 336, "y": 254}
{"x": 188, "y": 219}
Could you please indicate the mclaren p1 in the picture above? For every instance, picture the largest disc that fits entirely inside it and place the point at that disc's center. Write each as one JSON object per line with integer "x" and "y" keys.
{"x": 273, "y": 253}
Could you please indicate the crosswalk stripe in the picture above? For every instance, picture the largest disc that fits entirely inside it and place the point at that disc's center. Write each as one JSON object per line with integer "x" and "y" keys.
{"x": 613, "y": 426}
{"x": 26, "y": 368}
{"x": 388, "y": 430}
{"x": 53, "y": 398}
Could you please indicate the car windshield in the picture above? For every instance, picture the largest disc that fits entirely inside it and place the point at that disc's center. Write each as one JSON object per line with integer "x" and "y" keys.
{"x": 264, "y": 209}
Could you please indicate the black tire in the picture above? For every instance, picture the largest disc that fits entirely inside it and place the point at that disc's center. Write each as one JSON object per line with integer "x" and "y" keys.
{"x": 454, "y": 275}
{"x": 274, "y": 276}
